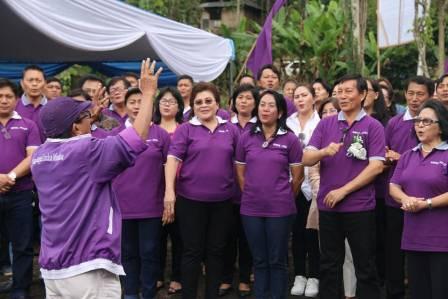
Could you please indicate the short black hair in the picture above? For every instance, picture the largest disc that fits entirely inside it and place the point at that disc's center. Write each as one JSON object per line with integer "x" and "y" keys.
{"x": 422, "y": 80}
{"x": 380, "y": 112}
{"x": 268, "y": 67}
{"x": 440, "y": 80}
{"x": 33, "y": 67}
{"x": 243, "y": 88}
{"x": 78, "y": 92}
{"x": 131, "y": 91}
{"x": 89, "y": 77}
{"x": 361, "y": 83}
{"x": 280, "y": 102}
{"x": 116, "y": 79}
{"x": 441, "y": 113}
{"x": 185, "y": 77}
{"x": 157, "y": 117}
{"x": 324, "y": 83}
{"x": 7, "y": 83}
{"x": 246, "y": 75}
{"x": 131, "y": 74}
{"x": 54, "y": 79}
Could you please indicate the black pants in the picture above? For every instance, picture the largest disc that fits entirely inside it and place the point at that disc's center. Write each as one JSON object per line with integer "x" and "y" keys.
{"x": 171, "y": 230}
{"x": 394, "y": 274}
{"x": 380, "y": 212}
{"x": 305, "y": 242}
{"x": 204, "y": 228}
{"x": 237, "y": 245}
{"x": 359, "y": 229}
{"x": 428, "y": 274}
{"x": 16, "y": 221}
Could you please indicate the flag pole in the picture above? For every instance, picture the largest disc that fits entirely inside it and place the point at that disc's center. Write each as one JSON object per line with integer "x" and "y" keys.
{"x": 243, "y": 68}
{"x": 378, "y": 54}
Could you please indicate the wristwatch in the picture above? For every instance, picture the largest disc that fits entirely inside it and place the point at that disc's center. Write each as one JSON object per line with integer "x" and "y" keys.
{"x": 12, "y": 175}
{"x": 429, "y": 203}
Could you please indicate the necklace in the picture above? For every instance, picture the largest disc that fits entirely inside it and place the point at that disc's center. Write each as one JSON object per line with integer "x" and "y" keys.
{"x": 426, "y": 151}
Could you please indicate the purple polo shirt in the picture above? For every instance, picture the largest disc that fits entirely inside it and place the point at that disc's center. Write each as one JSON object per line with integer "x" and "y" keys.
{"x": 112, "y": 113}
{"x": 236, "y": 199}
{"x": 207, "y": 172}
{"x": 221, "y": 113}
{"x": 27, "y": 110}
{"x": 400, "y": 137}
{"x": 425, "y": 177}
{"x": 140, "y": 188}
{"x": 16, "y": 137}
{"x": 81, "y": 219}
{"x": 338, "y": 170}
{"x": 100, "y": 133}
{"x": 291, "y": 108}
{"x": 267, "y": 190}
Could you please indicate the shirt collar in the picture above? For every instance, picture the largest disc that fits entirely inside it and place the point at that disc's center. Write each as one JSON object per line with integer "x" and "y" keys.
{"x": 407, "y": 115}
{"x": 360, "y": 115}
{"x": 441, "y": 147}
{"x": 196, "y": 122}
{"x": 279, "y": 132}
{"x": 16, "y": 115}
{"x": 234, "y": 119}
{"x": 61, "y": 140}
{"x": 127, "y": 123}
{"x": 26, "y": 101}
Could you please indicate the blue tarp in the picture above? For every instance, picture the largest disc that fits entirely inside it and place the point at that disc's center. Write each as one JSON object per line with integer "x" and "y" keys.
{"x": 13, "y": 71}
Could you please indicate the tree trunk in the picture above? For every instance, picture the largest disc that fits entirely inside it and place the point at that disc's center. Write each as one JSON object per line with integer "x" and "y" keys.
{"x": 359, "y": 24}
{"x": 442, "y": 6}
{"x": 419, "y": 33}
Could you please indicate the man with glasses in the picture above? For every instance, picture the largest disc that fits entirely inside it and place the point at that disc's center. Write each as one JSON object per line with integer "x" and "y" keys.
{"x": 19, "y": 138}
{"x": 400, "y": 137}
{"x": 117, "y": 88}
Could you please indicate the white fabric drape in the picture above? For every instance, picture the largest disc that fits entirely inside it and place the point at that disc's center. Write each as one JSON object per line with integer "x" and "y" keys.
{"x": 104, "y": 25}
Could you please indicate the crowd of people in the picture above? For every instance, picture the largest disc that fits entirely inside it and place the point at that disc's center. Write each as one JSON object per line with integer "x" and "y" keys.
{"x": 355, "y": 182}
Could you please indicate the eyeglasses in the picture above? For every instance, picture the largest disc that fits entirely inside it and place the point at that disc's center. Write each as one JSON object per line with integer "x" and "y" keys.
{"x": 168, "y": 102}
{"x": 117, "y": 89}
{"x": 205, "y": 101}
{"x": 83, "y": 115}
{"x": 6, "y": 134}
{"x": 425, "y": 121}
{"x": 332, "y": 110}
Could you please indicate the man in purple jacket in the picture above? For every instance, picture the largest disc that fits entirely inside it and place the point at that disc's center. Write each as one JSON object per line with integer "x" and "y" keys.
{"x": 81, "y": 221}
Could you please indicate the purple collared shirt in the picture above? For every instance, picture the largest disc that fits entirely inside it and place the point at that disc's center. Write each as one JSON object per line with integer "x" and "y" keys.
{"x": 225, "y": 115}
{"x": 236, "y": 199}
{"x": 27, "y": 110}
{"x": 424, "y": 177}
{"x": 267, "y": 190}
{"x": 207, "y": 172}
{"x": 81, "y": 219}
{"x": 112, "y": 113}
{"x": 400, "y": 137}
{"x": 338, "y": 170}
{"x": 16, "y": 137}
{"x": 140, "y": 188}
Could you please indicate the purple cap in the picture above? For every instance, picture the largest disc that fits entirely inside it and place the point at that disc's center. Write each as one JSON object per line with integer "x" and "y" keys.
{"x": 58, "y": 115}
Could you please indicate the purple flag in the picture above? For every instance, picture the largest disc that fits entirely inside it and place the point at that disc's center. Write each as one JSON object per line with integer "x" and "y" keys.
{"x": 262, "y": 53}
{"x": 446, "y": 65}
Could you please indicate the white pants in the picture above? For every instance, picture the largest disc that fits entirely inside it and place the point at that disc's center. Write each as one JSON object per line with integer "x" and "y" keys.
{"x": 94, "y": 284}
{"x": 349, "y": 273}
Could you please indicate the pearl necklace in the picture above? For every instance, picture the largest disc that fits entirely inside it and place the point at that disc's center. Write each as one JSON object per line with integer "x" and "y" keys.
{"x": 426, "y": 151}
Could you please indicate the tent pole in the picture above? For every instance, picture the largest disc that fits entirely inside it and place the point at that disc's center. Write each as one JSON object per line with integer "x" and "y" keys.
{"x": 231, "y": 75}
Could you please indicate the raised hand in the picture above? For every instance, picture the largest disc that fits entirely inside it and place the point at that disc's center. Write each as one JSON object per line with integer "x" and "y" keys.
{"x": 148, "y": 79}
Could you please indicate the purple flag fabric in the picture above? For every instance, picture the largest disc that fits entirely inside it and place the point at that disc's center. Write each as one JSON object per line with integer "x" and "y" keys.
{"x": 446, "y": 65}
{"x": 262, "y": 53}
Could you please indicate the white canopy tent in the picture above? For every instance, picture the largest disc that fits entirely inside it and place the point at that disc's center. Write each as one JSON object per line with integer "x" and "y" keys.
{"x": 107, "y": 30}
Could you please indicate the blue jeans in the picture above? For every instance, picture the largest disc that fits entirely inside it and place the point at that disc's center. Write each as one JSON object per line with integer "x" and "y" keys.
{"x": 140, "y": 243}
{"x": 16, "y": 221}
{"x": 268, "y": 241}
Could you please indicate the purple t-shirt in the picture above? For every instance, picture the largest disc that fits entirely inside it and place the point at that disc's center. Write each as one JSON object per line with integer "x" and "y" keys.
{"x": 425, "y": 177}
{"x": 338, "y": 170}
{"x": 81, "y": 219}
{"x": 236, "y": 198}
{"x": 207, "y": 172}
{"x": 400, "y": 137}
{"x": 112, "y": 113}
{"x": 18, "y": 135}
{"x": 140, "y": 188}
{"x": 225, "y": 115}
{"x": 27, "y": 110}
{"x": 267, "y": 190}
